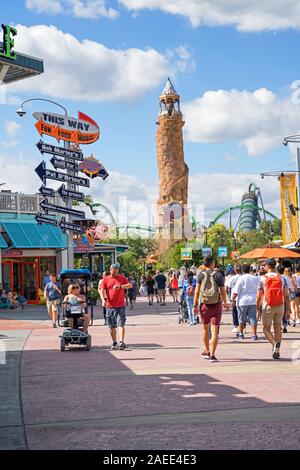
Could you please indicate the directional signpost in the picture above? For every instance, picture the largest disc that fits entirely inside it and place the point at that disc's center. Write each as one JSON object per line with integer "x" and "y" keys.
{"x": 47, "y": 191}
{"x": 59, "y": 151}
{"x": 81, "y": 130}
{"x": 43, "y": 219}
{"x": 65, "y": 193}
{"x": 45, "y": 174}
{"x": 44, "y": 204}
{"x": 63, "y": 164}
{"x": 70, "y": 226}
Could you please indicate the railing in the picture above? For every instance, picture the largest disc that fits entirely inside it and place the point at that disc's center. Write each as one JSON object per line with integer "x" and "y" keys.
{"x": 24, "y": 203}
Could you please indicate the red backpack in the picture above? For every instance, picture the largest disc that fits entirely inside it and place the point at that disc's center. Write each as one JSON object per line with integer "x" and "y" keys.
{"x": 273, "y": 291}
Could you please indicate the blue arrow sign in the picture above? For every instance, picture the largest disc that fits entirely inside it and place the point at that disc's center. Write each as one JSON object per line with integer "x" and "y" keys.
{"x": 59, "y": 151}
{"x": 65, "y": 193}
{"x": 42, "y": 219}
{"x": 70, "y": 226}
{"x": 45, "y": 174}
{"x": 44, "y": 204}
{"x": 63, "y": 165}
{"x": 47, "y": 191}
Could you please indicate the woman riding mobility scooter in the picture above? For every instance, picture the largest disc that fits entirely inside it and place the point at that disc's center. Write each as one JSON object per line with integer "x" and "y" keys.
{"x": 74, "y": 312}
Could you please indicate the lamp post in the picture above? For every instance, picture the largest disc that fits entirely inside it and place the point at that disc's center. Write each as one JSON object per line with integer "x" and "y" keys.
{"x": 295, "y": 139}
{"x": 70, "y": 250}
{"x": 221, "y": 234}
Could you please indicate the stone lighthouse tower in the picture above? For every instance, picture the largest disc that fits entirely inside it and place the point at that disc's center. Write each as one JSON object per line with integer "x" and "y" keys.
{"x": 172, "y": 170}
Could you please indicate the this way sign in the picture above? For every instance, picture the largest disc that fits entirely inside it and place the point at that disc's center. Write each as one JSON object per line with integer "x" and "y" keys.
{"x": 45, "y": 174}
{"x": 65, "y": 193}
{"x": 59, "y": 151}
{"x": 63, "y": 165}
{"x": 44, "y": 204}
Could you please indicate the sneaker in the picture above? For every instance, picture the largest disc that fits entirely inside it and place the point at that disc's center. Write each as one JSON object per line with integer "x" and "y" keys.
{"x": 122, "y": 345}
{"x": 164, "y": 303}
{"x": 205, "y": 355}
{"x": 235, "y": 329}
{"x": 241, "y": 336}
{"x": 284, "y": 330}
{"x": 213, "y": 359}
{"x": 105, "y": 323}
{"x": 254, "y": 338}
{"x": 294, "y": 323}
{"x": 276, "y": 350}
{"x": 114, "y": 345}
{"x": 54, "y": 325}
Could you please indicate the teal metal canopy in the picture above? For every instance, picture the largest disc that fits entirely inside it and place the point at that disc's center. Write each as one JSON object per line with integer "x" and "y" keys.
{"x": 3, "y": 243}
{"x": 30, "y": 235}
{"x": 23, "y": 66}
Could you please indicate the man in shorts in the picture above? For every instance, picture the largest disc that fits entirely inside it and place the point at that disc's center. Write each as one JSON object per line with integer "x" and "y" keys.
{"x": 210, "y": 290}
{"x": 113, "y": 298}
{"x": 161, "y": 281}
{"x": 52, "y": 295}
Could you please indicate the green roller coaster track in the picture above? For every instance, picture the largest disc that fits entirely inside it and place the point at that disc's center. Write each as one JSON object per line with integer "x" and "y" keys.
{"x": 248, "y": 206}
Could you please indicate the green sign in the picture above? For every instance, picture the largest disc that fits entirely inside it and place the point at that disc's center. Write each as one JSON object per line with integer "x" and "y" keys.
{"x": 186, "y": 253}
{"x": 8, "y": 42}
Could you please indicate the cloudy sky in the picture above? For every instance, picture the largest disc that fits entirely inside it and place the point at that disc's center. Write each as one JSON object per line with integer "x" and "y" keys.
{"x": 234, "y": 63}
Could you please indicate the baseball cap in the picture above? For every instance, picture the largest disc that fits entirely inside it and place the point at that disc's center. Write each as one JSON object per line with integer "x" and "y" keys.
{"x": 270, "y": 262}
{"x": 115, "y": 266}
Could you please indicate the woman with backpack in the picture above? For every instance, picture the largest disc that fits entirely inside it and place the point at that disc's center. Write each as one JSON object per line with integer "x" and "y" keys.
{"x": 188, "y": 292}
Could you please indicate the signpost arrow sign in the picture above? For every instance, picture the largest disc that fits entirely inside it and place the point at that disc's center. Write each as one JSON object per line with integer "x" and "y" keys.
{"x": 42, "y": 219}
{"x": 47, "y": 191}
{"x": 44, "y": 204}
{"x": 70, "y": 226}
{"x": 45, "y": 174}
{"x": 65, "y": 193}
{"x": 59, "y": 151}
{"x": 63, "y": 165}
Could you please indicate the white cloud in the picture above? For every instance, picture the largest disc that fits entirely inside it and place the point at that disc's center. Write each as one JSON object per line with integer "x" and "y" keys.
{"x": 259, "y": 120}
{"x": 92, "y": 9}
{"x": 245, "y": 15}
{"x": 107, "y": 74}
{"x": 11, "y": 128}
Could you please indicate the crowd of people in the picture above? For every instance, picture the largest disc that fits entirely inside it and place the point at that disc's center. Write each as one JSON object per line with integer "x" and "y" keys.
{"x": 268, "y": 294}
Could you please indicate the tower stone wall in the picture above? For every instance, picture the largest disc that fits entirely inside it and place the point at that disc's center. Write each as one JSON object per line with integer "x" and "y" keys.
{"x": 172, "y": 170}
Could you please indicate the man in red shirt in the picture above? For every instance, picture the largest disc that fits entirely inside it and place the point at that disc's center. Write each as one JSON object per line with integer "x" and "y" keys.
{"x": 113, "y": 298}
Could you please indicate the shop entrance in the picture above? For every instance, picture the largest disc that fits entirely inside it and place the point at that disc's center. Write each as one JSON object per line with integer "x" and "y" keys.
{"x": 30, "y": 281}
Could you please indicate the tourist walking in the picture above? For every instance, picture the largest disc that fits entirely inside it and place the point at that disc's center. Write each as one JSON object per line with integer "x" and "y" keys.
{"x": 210, "y": 291}
{"x": 244, "y": 294}
{"x": 296, "y": 276}
{"x": 113, "y": 298}
{"x": 150, "y": 288}
{"x": 273, "y": 293}
{"x": 133, "y": 290}
{"x": 174, "y": 286}
{"x": 52, "y": 295}
{"x": 237, "y": 272}
{"x": 161, "y": 280}
{"x": 105, "y": 273}
{"x": 188, "y": 293}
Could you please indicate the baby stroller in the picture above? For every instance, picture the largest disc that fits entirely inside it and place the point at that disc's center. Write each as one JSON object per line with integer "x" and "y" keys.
{"x": 183, "y": 312}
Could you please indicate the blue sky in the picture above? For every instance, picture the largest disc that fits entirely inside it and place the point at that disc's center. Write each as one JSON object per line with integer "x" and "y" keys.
{"x": 225, "y": 133}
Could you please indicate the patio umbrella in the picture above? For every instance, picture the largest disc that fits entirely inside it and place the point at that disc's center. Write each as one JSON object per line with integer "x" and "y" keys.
{"x": 270, "y": 253}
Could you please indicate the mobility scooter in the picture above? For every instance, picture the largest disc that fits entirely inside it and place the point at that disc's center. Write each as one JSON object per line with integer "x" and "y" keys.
{"x": 70, "y": 314}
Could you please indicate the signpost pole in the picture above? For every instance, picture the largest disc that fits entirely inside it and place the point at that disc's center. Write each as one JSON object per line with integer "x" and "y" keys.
{"x": 71, "y": 187}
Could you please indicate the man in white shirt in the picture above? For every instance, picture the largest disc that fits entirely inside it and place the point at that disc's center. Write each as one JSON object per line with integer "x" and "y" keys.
{"x": 245, "y": 292}
{"x": 231, "y": 282}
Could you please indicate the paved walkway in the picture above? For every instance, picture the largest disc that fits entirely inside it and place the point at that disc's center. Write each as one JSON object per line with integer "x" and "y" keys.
{"x": 157, "y": 394}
